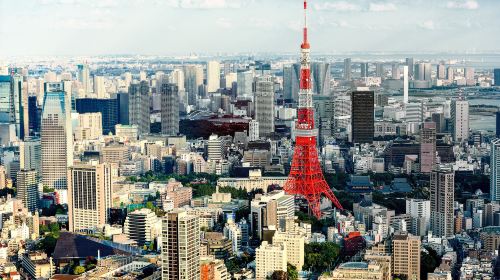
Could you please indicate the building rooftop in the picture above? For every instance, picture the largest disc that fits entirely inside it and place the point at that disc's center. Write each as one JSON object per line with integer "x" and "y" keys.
{"x": 354, "y": 265}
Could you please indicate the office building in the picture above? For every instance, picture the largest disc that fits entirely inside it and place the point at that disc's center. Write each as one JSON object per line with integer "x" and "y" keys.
{"x": 34, "y": 114}
{"x": 140, "y": 226}
{"x": 414, "y": 112}
{"x": 115, "y": 153}
{"x": 395, "y": 71}
{"x": 362, "y": 122}
{"x": 469, "y": 75}
{"x": 441, "y": 71}
{"x": 99, "y": 87}
{"x": 213, "y": 76}
{"x": 347, "y": 69}
{"x": 180, "y": 250}
{"x": 269, "y": 258}
{"x": 496, "y": 76}
{"x": 291, "y": 74}
{"x": 169, "y": 109}
{"x": 442, "y": 188}
{"x": 108, "y": 107}
{"x": 294, "y": 241}
{"x": 405, "y": 84}
{"x": 264, "y": 105}
{"x": 89, "y": 196}
{"x": 89, "y": 126}
{"x": 427, "y": 147}
{"x": 193, "y": 79}
{"x": 269, "y": 211}
{"x": 56, "y": 138}
{"x": 215, "y": 148}
{"x": 30, "y": 154}
{"x": 406, "y": 256}
{"x": 138, "y": 100}
{"x": 410, "y": 64}
{"x": 420, "y": 213}
{"x": 244, "y": 81}
{"x": 84, "y": 77}
{"x": 27, "y": 189}
{"x": 460, "y": 120}
{"x": 379, "y": 70}
{"x": 364, "y": 69}
{"x": 5, "y": 99}
{"x": 423, "y": 71}
{"x": 320, "y": 78}
{"x": 253, "y": 130}
{"x": 438, "y": 119}
{"x": 495, "y": 170}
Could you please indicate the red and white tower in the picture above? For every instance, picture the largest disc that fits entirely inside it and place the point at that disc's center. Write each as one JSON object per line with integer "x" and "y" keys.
{"x": 306, "y": 177}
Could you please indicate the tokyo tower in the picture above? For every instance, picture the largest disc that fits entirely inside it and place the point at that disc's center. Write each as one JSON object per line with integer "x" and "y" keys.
{"x": 306, "y": 178}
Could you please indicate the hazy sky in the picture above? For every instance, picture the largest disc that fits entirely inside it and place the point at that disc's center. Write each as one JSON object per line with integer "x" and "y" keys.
{"x": 90, "y": 27}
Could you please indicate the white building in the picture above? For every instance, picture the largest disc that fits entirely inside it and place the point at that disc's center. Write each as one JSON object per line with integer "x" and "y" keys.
{"x": 213, "y": 76}
{"x": 270, "y": 258}
{"x": 460, "y": 120}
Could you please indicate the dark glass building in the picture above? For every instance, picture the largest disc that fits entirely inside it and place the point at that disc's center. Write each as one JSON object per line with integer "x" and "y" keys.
{"x": 34, "y": 114}
{"x": 498, "y": 125}
{"x": 363, "y": 120}
{"x": 108, "y": 108}
{"x": 496, "y": 76}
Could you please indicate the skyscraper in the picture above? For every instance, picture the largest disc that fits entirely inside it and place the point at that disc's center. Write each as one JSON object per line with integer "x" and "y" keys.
{"x": 140, "y": 225}
{"x": 180, "y": 250}
{"x": 18, "y": 105}
{"x": 363, "y": 122}
{"x": 423, "y": 71}
{"x": 213, "y": 76}
{"x": 193, "y": 79}
{"x": 89, "y": 196}
{"x": 138, "y": 98}
{"x": 442, "y": 188}
{"x": 460, "y": 120}
{"x": 496, "y": 76}
{"x": 395, "y": 71}
{"x": 108, "y": 107}
{"x": 495, "y": 170}
{"x": 427, "y": 147}
{"x": 441, "y": 71}
{"x": 347, "y": 69}
{"x": 438, "y": 118}
{"x": 30, "y": 154}
{"x": 84, "y": 77}
{"x": 379, "y": 70}
{"x": 264, "y": 105}
{"x": 99, "y": 87}
{"x": 56, "y": 138}
{"x": 33, "y": 116}
{"x": 27, "y": 188}
{"x": 5, "y": 99}
{"x": 253, "y": 130}
{"x": 364, "y": 69}
{"x": 405, "y": 84}
{"x": 291, "y": 75}
{"x": 244, "y": 81}
{"x": 409, "y": 63}
{"x": 321, "y": 78}
{"x": 169, "y": 109}
{"x": 497, "y": 114}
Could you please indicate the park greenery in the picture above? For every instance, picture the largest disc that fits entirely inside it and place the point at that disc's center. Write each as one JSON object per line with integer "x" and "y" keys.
{"x": 320, "y": 256}
{"x": 50, "y": 235}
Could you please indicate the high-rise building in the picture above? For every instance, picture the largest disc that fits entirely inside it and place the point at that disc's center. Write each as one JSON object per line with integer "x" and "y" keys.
{"x": 89, "y": 126}
{"x": 169, "y": 109}
{"x": 193, "y": 79}
{"x": 438, "y": 118}
{"x": 427, "y": 147}
{"x": 379, "y": 70}
{"x": 363, "y": 122}
{"x": 469, "y": 75}
{"x": 460, "y": 120}
{"x": 253, "y": 130}
{"x": 244, "y": 81}
{"x": 3, "y": 177}
{"x": 347, "y": 69}
{"x": 213, "y": 76}
{"x": 409, "y": 63}
{"x": 406, "y": 256}
{"x": 405, "y": 84}
{"x": 496, "y": 76}
{"x": 108, "y": 107}
{"x": 414, "y": 112}
{"x": 30, "y": 154}
{"x": 140, "y": 226}
{"x": 495, "y": 170}
{"x": 215, "y": 148}
{"x": 497, "y": 114}
{"x": 84, "y": 77}
{"x": 395, "y": 71}
{"x": 294, "y": 241}
{"x": 138, "y": 100}
{"x": 27, "y": 188}
{"x": 180, "y": 250}
{"x": 364, "y": 69}
{"x": 56, "y": 138}
{"x": 320, "y": 78}
{"x": 264, "y": 105}
{"x": 420, "y": 213}
{"x": 423, "y": 71}
{"x": 89, "y": 196}
{"x": 99, "y": 87}
{"x": 270, "y": 258}
{"x": 291, "y": 74}
{"x": 5, "y": 99}
{"x": 33, "y": 116}
{"x": 450, "y": 73}
{"x": 441, "y": 71}
{"x": 269, "y": 211}
{"x": 442, "y": 187}
{"x": 19, "y": 105}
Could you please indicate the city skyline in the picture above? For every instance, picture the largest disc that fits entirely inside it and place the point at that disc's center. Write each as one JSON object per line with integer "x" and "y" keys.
{"x": 172, "y": 27}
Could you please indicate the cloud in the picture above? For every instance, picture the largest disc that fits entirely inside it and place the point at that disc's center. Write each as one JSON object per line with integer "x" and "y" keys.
{"x": 382, "y": 7}
{"x": 91, "y": 3}
{"x": 342, "y": 6}
{"x": 261, "y": 23}
{"x": 467, "y": 5}
{"x": 204, "y": 4}
{"x": 428, "y": 24}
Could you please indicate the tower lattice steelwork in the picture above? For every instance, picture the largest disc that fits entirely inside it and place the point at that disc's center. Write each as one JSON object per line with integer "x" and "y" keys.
{"x": 306, "y": 177}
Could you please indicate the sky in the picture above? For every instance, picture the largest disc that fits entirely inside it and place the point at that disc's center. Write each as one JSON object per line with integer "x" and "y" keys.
{"x": 180, "y": 27}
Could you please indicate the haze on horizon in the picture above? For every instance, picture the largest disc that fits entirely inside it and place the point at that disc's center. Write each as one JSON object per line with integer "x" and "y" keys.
{"x": 164, "y": 27}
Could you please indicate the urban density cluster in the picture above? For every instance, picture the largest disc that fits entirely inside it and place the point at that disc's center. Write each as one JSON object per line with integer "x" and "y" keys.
{"x": 240, "y": 167}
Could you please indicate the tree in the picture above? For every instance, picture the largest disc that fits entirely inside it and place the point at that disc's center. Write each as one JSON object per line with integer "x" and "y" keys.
{"x": 78, "y": 270}
{"x": 292, "y": 272}
{"x": 279, "y": 275}
{"x": 320, "y": 256}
